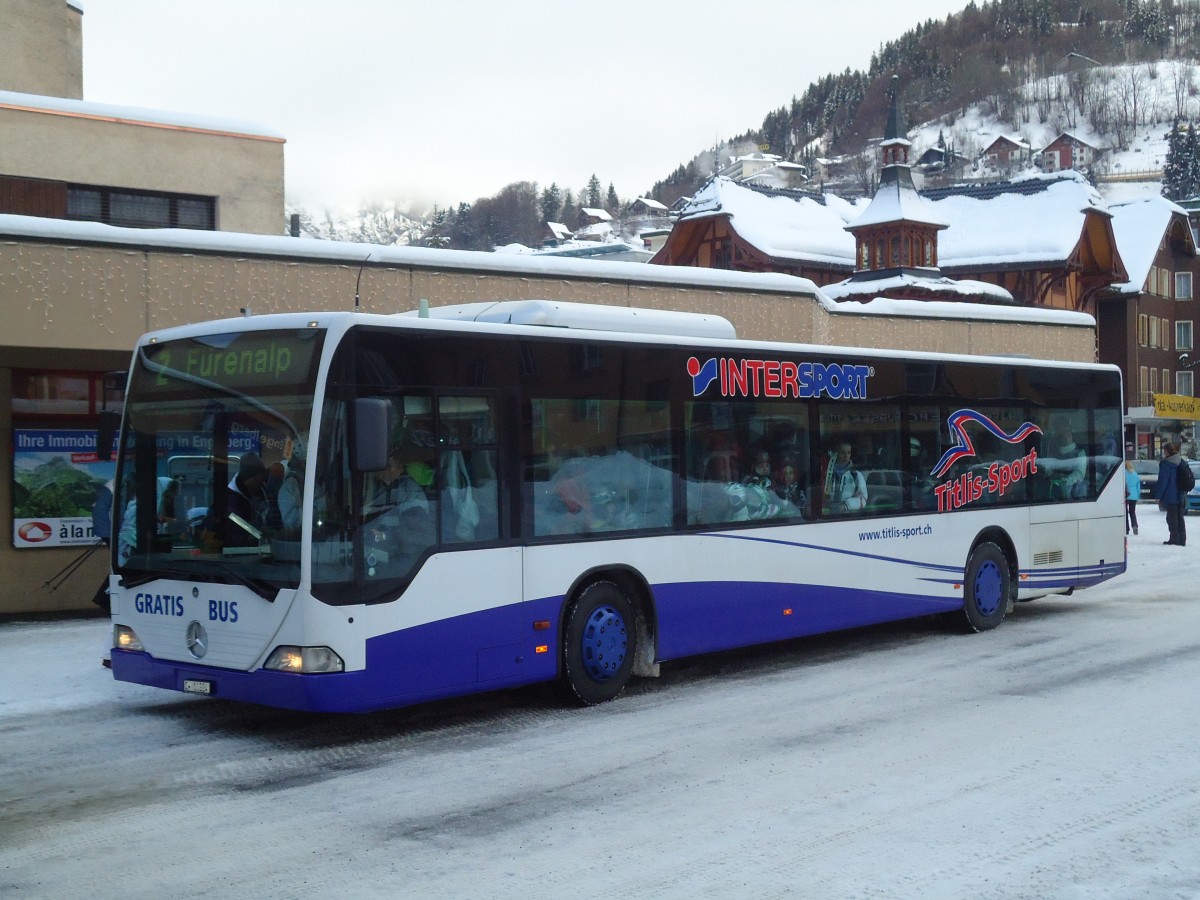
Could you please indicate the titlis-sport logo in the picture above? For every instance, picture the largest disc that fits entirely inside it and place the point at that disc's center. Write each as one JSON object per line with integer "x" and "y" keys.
{"x": 997, "y": 478}
{"x": 779, "y": 378}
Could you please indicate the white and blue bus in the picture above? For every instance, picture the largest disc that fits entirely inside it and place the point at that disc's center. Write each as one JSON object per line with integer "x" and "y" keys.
{"x": 350, "y": 512}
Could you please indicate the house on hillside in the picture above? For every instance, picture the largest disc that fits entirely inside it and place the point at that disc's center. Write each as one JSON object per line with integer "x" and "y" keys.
{"x": 1076, "y": 62}
{"x": 1146, "y": 325}
{"x": 766, "y": 169}
{"x": 1067, "y": 151}
{"x": 1006, "y": 152}
{"x": 594, "y": 215}
{"x": 555, "y": 233}
{"x": 678, "y": 206}
{"x": 939, "y": 159}
{"x": 647, "y": 206}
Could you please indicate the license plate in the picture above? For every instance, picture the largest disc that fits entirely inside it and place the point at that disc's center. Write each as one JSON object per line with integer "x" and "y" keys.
{"x": 192, "y": 686}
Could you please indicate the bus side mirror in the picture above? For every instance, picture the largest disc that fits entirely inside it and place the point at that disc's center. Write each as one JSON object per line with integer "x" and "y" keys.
{"x": 106, "y": 431}
{"x": 369, "y": 452}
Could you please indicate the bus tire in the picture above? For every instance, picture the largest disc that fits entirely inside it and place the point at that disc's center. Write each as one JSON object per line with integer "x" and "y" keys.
{"x": 987, "y": 589}
{"x": 599, "y": 645}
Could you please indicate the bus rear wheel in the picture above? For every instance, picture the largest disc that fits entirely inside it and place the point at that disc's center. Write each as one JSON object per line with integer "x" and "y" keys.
{"x": 600, "y": 639}
{"x": 987, "y": 589}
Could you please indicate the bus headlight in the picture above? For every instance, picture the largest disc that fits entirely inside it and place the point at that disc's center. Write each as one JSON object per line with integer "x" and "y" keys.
{"x": 305, "y": 660}
{"x": 125, "y": 638}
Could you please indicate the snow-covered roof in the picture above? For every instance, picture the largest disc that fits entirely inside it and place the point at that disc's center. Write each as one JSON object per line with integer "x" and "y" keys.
{"x": 1139, "y": 226}
{"x": 895, "y": 202}
{"x": 560, "y": 231}
{"x": 1012, "y": 139}
{"x": 1037, "y": 219}
{"x": 786, "y": 227}
{"x": 940, "y": 309}
{"x": 132, "y": 115}
{"x": 1016, "y": 226}
{"x": 932, "y": 285}
{"x": 651, "y": 204}
{"x": 1072, "y": 137}
{"x": 601, "y": 214}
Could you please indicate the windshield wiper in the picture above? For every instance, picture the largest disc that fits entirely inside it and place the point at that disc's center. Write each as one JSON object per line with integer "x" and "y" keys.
{"x": 260, "y": 586}
{"x": 145, "y": 576}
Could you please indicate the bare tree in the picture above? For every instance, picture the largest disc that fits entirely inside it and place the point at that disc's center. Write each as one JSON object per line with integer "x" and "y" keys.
{"x": 862, "y": 166}
{"x": 1182, "y": 80}
{"x": 1132, "y": 95}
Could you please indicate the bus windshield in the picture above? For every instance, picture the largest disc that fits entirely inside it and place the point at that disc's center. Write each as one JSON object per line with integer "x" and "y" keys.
{"x": 211, "y": 470}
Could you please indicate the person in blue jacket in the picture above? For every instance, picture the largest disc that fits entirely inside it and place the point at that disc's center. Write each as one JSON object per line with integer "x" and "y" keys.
{"x": 1133, "y": 490}
{"x": 1167, "y": 493}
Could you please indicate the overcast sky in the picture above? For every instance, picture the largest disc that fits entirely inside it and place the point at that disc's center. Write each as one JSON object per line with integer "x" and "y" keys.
{"x": 448, "y": 101}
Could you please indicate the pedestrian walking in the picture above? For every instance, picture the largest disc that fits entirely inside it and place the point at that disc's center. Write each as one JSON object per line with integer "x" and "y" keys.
{"x": 1133, "y": 490}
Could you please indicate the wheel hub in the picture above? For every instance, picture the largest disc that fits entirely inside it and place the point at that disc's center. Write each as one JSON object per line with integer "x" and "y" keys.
{"x": 604, "y": 643}
{"x": 988, "y": 584}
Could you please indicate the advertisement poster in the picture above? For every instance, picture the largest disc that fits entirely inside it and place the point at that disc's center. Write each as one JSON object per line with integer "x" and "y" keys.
{"x": 56, "y": 478}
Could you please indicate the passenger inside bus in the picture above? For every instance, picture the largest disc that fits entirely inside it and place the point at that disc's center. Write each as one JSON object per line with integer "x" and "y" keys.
{"x": 845, "y": 488}
{"x": 291, "y": 491}
{"x": 787, "y": 484}
{"x": 1068, "y": 468}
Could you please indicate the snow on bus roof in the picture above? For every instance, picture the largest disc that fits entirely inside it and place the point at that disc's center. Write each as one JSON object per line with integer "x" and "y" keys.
{"x": 592, "y": 316}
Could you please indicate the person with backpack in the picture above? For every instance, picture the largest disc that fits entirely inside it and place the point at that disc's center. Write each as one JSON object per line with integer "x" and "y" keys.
{"x": 1187, "y": 481}
{"x": 1170, "y": 493}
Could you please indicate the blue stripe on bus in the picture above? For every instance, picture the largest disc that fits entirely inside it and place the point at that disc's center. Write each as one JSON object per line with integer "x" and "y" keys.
{"x": 939, "y": 567}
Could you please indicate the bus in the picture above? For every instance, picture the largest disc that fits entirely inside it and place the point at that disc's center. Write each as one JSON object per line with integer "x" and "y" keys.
{"x": 347, "y": 512}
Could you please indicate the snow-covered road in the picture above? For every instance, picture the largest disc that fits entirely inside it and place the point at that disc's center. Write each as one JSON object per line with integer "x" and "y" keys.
{"x": 1058, "y": 756}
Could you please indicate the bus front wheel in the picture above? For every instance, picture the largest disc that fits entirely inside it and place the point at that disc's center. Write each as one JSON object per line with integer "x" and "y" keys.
{"x": 600, "y": 640}
{"x": 987, "y": 589}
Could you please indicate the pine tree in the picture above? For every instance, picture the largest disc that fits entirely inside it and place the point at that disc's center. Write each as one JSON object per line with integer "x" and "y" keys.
{"x": 435, "y": 234}
{"x": 551, "y": 203}
{"x": 611, "y": 202}
{"x": 569, "y": 212}
{"x": 593, "y": 192}
{"x": 1173, "y": 167}
{"x": 462, "y": 230}
{"x": 1191, "y": 163}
